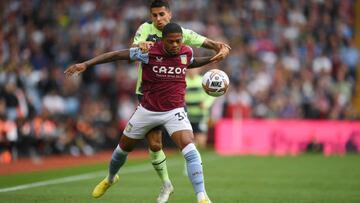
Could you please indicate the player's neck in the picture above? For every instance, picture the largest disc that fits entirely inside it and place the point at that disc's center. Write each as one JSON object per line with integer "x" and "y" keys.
{"x": 166, "y": 52}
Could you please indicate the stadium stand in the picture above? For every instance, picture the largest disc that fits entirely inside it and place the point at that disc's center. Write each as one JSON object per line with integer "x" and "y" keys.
{"x": 289, "y": 59}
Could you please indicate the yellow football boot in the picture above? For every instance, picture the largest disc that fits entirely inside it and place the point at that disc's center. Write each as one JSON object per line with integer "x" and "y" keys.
{"x": 101, "y": 188}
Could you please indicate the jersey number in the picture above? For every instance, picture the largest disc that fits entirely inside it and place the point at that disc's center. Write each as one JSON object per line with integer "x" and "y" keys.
{"x": 180, "y": 115}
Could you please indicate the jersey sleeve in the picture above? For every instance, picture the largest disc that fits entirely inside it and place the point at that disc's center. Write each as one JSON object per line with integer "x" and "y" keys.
{"x": 137, "y": 55}
{"x": 192, "y": 38}
{"x": 141, "y": 34}
{"x": 191, "y": 55}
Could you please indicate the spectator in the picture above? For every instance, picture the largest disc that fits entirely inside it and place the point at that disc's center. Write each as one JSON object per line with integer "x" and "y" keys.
{"x": 289, "y": 59}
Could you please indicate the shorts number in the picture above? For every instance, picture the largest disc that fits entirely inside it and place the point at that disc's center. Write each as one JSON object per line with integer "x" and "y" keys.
{"x": 180, "y": 117}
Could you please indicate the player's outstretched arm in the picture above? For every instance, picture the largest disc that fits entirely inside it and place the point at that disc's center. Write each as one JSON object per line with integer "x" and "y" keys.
{"x": 222, "y": 49}
{"x": 200, "y": 61}
{"x": 103, "y": 58}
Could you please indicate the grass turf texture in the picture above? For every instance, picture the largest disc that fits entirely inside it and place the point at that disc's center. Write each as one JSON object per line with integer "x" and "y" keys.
{"x": 304, "y": 179}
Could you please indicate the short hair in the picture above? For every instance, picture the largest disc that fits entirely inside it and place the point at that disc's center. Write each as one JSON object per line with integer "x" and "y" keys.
{"x": 171, "y": 28}
{"x": 159, "y": 3}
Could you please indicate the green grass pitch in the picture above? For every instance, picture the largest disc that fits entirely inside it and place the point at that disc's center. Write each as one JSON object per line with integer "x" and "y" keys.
{"x": 250, "y": 179}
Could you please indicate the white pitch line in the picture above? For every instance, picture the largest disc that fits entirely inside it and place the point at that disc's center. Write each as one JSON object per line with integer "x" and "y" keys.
{"x": 87, "y": 176}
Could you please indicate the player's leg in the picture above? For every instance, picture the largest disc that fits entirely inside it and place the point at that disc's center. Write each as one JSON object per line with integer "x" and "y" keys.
{"x": 119, "y": 155}
{"x": 118, "y": 159}
{"x": 140, "y": 123}
{"x": 180, "y": 129}
{"x": 184, "y": 140}
{"x": 196, "y": 130}
{"x": 158, "y": 160}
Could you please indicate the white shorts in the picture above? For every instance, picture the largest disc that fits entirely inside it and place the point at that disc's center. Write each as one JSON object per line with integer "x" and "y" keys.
{"x": 143, "y": 120}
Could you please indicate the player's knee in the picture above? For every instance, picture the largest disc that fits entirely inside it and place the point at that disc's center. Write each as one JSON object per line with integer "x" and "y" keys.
{"x": 155, "y": 146}
{"x": 154, "y": 140}
{"x": 182, "y": 138}
{"x": 127, "y": 144}
{"x": 126, "y": 147}
{"x": 186, "y": 140}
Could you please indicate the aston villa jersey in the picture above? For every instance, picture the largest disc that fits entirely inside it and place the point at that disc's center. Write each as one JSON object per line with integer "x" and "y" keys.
{"x": 148, "y": 32}
{"x": 163, "y": 77}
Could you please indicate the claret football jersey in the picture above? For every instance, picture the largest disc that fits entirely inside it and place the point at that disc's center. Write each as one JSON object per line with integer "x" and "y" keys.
{"x": 163, "y": 77}
{"x": 148, "y": 32}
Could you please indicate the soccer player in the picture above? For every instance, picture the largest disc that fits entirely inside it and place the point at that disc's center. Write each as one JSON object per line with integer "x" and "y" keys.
{"x": 164, "y": 70}
{"x": 146, "y": 35}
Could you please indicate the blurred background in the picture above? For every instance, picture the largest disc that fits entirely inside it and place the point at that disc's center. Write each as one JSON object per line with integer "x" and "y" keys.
{"x": 293, "y": 60}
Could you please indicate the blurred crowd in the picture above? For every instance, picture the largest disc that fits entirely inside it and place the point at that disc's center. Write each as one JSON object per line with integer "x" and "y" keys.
{"x": 290, "y": 59}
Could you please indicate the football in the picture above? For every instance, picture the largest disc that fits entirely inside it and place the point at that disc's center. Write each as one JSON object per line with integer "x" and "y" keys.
{"x": 215, "y": 82}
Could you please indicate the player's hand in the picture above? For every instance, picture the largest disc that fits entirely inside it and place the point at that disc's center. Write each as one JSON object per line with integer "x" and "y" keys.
{"x": 145, "y": 46}
{"x": 75, "y": 69}
{"x": 222, "y": 53}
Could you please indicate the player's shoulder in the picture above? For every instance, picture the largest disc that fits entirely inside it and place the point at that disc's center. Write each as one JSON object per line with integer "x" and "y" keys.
{"x": 148, "y": 23}
{"x": 156, "y": 48}
{"x": 146, "y": 26}
{"x": 186, "y": 49}
{"x": 188, "y": 32}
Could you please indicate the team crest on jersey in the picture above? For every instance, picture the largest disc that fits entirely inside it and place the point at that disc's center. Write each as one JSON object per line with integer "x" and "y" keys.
{"x": 128, "y": 127}
{"x": 183, "y": 59}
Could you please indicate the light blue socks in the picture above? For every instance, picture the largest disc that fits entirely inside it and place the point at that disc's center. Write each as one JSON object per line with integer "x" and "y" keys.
{"x": 194, "y": 168}
{"x": 117, "y": 160}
